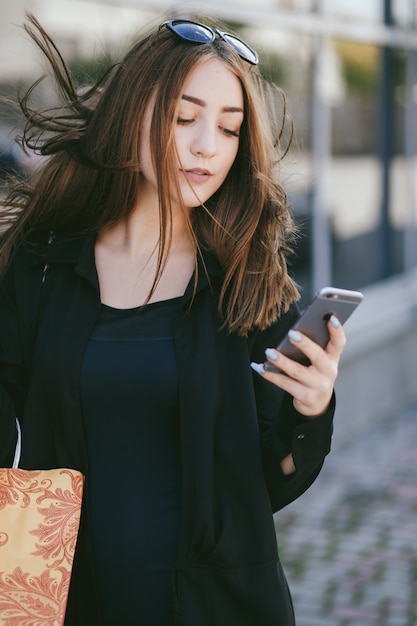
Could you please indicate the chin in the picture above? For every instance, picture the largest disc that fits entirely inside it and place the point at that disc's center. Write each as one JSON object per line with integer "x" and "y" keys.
{"x": 193, "y": 202}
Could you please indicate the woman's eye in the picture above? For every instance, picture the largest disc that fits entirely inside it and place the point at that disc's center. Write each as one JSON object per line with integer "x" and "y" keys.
{"x": 182, "y": 120}
{"x": 231, "y": 133}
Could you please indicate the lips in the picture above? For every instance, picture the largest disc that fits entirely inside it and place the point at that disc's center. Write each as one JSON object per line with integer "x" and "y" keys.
{"x": 197, "y": 174}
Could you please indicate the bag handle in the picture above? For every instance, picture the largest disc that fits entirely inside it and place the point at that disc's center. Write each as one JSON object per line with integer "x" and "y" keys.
{"x": 18, "y": 449}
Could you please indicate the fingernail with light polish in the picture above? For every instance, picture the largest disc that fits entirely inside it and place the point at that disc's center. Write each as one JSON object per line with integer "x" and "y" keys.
{"x": 334, "y": 321}
{"x": 258, "y": 367}
{"x": 271, "y": 354}
{"x": 294, "y": 335}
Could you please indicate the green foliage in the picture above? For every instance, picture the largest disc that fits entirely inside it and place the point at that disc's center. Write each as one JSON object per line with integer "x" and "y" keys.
{"x": 361, "y": 65}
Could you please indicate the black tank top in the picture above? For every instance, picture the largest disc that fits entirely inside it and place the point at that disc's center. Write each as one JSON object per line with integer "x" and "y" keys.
{"x": 129, "y": 397}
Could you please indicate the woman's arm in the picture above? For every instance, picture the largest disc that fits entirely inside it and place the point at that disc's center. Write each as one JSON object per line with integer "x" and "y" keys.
{"x": 312, "y": 386}
{"x": 295, "y": 411}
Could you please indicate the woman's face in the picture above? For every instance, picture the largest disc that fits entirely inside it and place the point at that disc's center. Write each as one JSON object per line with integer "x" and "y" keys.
{"x": 208, "y": 120}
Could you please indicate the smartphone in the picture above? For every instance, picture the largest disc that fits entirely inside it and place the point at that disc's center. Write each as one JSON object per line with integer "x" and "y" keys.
{"x": 313, "y": 321}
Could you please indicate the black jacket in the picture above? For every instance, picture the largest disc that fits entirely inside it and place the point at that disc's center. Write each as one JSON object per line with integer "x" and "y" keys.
{"x": 235, "y": 430}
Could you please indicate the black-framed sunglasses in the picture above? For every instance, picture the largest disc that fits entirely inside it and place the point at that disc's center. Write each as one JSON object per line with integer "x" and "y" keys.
{"x": 194, "y": 32}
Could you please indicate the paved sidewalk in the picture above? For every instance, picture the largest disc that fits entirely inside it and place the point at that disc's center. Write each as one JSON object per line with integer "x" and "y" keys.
{"x": 349, "y": 545}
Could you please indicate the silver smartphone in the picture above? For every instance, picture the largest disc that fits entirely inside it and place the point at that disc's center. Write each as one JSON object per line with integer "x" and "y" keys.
{"x": 313, "y": 321}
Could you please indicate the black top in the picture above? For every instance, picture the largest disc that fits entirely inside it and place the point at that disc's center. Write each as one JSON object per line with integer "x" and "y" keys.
{"x": 130, "y": 406}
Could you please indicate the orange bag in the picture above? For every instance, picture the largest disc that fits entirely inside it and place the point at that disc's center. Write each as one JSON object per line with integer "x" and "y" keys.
{"x": 39, "y": 520}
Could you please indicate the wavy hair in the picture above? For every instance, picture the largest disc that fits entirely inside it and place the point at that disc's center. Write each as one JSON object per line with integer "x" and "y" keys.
{"x": 91, "y": 177}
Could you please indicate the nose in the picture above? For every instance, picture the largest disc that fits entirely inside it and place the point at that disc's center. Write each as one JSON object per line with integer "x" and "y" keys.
{"x": 204, "y": 141}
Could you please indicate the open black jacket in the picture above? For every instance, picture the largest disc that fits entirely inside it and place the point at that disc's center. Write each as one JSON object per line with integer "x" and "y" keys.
{"x": 235, "y": 430}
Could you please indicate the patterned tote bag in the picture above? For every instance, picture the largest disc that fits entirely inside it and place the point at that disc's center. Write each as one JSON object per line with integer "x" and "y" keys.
{"x": 39, "y": 521}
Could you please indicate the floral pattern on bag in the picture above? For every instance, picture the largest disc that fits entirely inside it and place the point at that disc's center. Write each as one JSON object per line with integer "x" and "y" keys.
{"x": 58, "y": 535}
{"x": 39, "y": 521}
{"x": 15, "y": 488}
{"x": 27, "y": 600}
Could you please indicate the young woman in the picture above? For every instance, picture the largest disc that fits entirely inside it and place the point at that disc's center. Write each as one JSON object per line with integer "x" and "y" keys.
{"x": 144, "y": 270}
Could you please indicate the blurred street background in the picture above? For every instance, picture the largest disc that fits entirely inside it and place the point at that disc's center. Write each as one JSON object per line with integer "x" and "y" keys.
{"x": 349, "y": 71}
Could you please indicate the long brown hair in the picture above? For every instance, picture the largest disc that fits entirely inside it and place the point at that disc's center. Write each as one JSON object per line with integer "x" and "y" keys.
{"x": 92, "y": 176}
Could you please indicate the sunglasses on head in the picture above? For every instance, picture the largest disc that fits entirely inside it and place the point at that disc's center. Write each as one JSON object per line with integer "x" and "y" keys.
{"x": 197, "y": 33}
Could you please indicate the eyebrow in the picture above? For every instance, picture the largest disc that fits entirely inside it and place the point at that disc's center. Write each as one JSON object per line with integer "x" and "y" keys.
{"x": 201, "y": 103}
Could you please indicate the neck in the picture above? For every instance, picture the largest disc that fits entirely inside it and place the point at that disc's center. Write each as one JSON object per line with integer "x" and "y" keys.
{"x": 141, "y": 230}
{"x": 127, "y": 260}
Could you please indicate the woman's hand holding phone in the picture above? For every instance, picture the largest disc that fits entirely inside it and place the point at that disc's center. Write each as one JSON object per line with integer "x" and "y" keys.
{"x": 305, "y": 364}
{"x": 311, "y": 386}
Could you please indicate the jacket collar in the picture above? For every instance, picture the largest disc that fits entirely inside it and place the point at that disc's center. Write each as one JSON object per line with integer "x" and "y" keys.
{"x": 76, "y": 251}
{"x": 53, "y": 248}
